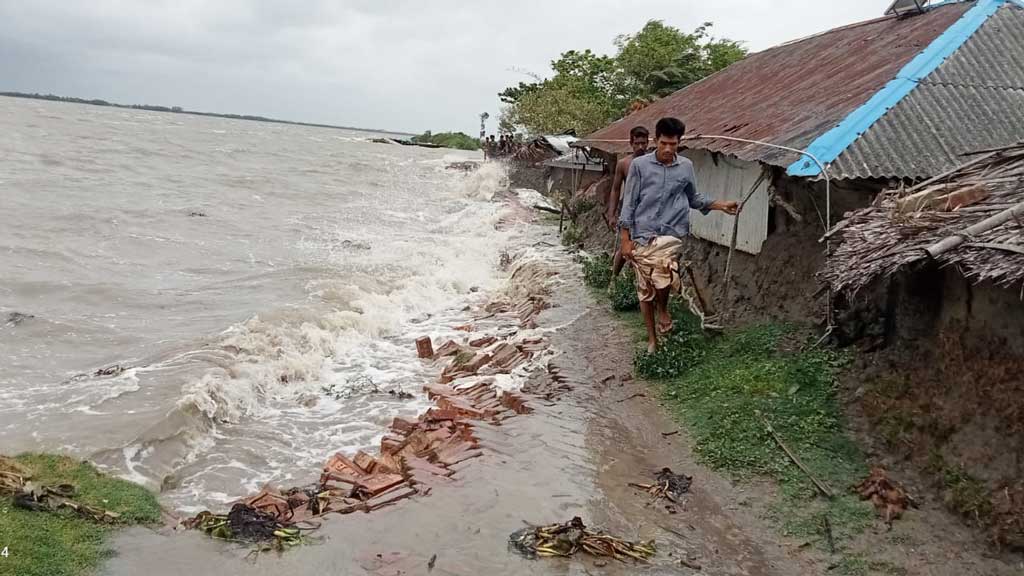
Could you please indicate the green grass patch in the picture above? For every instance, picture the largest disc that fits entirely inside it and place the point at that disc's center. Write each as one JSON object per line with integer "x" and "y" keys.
{"x": 723, "y": 387}
{"x": 597, "y": 274}
{"x": 572, "y": 236}
{"x": 63, "y": 544}
{"x": 597, "y": 271}
{"x": 623, "y": 292}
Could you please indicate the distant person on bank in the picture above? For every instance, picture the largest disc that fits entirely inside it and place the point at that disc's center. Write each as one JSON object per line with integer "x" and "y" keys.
{"x": 660, "y": 191}
{"x": 639, "y": 139}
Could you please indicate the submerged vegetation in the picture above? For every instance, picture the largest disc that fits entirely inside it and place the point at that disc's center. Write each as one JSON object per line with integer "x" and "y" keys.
{"x": 45, "y": 543}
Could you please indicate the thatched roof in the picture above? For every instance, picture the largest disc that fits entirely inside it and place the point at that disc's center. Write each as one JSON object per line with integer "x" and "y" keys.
{"x": 971, "y": 218}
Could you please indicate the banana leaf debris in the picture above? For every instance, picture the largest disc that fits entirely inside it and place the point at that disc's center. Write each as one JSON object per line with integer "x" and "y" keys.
{"x": 248, "y": 524}
{"x": 889, "y": 497}
{"x": 565, "y": 540}
{"x": 668, "y": 485}
{"x": 16, "y": 483}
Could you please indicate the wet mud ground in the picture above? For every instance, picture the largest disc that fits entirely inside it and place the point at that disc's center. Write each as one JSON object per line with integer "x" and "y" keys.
{"x": 574, "y": 456}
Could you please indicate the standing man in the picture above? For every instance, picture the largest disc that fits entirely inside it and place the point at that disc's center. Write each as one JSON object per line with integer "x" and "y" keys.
{"x": 639, "y": 138}
{"x": 660, "y": 191}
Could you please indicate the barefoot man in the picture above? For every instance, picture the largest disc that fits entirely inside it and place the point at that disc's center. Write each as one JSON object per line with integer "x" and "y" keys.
{"x": 639, "y": 137}
{"x": 660, "y": 191}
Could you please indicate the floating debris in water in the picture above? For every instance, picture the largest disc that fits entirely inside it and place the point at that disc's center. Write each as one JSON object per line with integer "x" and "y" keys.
{"x": 248, "y": 524}
{"x": 16, "y": 318}
{"x": 567, "y": 539}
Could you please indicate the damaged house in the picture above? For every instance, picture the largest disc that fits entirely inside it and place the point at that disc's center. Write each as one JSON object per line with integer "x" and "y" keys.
{"x": 928, "y": 100}
{"x": 894, "y": 100}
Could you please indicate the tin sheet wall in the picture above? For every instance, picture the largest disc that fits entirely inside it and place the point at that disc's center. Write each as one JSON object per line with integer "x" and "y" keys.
{"x": 730, "y": 179}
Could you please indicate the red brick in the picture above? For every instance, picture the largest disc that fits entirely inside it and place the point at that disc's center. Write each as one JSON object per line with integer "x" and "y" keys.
{"x": 424, "y": 347}
{"x": 365, "y": 462}
{"x": 403, "y": 425}
{"x": 482, "y": 342}
{"x": 378, "y": 483}
{"x": 391, "y": 445}
{"x": 449, "y": 348}
{"x": 436, "y": 390}
{"x": 389, "y": 498}
{"x": 459, "y": 405}
{"x": 340, "y": 463}
{"x": 389, "y": 463}
{"x": 414, "y": 464}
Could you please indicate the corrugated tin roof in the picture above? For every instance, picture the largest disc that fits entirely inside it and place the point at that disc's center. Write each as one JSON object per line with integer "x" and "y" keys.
{"x": 561, "y": 142}
{"x": 576, "y": 160}
{"x": 973, "y": 101}
{"x": 791, "y": 94}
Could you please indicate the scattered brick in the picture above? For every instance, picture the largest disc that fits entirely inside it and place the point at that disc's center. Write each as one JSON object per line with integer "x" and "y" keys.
{"x": 424, "y": 347}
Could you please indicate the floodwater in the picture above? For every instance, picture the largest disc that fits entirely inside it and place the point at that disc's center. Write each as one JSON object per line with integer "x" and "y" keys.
{"x": 206, "y": 305}
{"x": 573, "y": 456}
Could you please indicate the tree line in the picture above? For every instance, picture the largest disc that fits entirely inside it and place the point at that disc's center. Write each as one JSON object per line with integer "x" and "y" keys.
{"x": 589, "y": 91}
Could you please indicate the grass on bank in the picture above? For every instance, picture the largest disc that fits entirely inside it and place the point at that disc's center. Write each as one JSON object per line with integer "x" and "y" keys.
{"x": 723, "y": 388}
{"x": 64, "y": 544}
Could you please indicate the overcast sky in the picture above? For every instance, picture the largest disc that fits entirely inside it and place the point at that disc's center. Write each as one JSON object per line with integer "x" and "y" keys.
{"x": 407, "y": 65}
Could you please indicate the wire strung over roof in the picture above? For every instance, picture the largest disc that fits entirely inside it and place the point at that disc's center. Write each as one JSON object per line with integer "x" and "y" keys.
{"x": 971, "y": 218}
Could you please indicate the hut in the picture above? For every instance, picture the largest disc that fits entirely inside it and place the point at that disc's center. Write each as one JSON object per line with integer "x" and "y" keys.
{"x": 809, "y": 130}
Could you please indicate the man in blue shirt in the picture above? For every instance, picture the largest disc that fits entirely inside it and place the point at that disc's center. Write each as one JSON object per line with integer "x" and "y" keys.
{"x": 660, "y": 191}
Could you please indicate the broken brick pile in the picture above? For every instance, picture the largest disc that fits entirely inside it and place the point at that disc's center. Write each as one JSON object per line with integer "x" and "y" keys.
{"x": 416, "y": 455}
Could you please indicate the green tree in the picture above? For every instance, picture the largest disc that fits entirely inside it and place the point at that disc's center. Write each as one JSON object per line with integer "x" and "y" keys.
{"x": 588, "y": 90}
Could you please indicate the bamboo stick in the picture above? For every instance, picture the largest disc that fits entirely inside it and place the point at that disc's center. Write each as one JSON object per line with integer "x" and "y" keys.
{"x": 821, "y": 486}
{"x": 952, "y": 242}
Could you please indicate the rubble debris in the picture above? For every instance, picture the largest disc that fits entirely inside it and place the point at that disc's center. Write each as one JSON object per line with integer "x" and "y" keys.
{"x": 668, "y": 485}
{"x": 15, "y": 482}
{"x": 424, "y": 347}
{"x": 416, "y": 454}
{"x": 16, "y": 318}
{"x": 689, "y": 564}
{"x": 449, "y": 348}
{"x": 567, "y": 539}
{"x": 888, "y": 496}
{"x": 248, "y": 524}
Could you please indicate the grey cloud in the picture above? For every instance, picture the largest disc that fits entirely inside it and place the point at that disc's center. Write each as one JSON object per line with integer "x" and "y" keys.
{"x": 399, "y": 64}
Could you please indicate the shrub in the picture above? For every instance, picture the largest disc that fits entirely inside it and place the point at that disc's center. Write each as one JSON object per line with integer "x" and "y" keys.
{"x": 623, "y": 292}
{"x": 597, "y": 271}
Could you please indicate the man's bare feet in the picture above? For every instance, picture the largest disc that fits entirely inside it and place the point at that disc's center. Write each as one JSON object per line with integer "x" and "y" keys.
{"x": 652, "y": 347}
{"x": 665, "y": 323}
